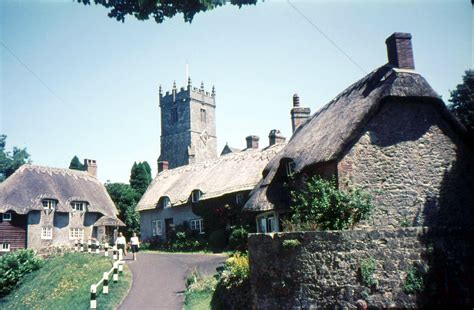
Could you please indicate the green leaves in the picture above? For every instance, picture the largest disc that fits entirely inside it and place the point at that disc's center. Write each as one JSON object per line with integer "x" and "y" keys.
{"x": 462, "y": 99}
{"x": 10, "y": 162}
{"x": 320, "y": 205}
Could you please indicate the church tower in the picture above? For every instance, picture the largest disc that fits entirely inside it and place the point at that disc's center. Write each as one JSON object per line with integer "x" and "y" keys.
{"x": 188, "y": 125}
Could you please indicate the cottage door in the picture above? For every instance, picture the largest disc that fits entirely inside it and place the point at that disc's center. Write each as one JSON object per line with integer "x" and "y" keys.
{"x": 168, "y": 227}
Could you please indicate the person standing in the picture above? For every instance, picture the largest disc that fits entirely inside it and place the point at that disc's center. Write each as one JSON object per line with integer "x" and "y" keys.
{"x": 135, "y": 243}
{"x": 121, "y": 243}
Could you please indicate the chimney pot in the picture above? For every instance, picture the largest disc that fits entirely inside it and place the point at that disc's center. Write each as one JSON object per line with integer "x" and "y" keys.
{"x": 296, "y": 100}
{"x": 252, "y": 142}
{"x": 400, "y": 51}
{"x": 163, "y": 165}
{"x": 91, "y": 166}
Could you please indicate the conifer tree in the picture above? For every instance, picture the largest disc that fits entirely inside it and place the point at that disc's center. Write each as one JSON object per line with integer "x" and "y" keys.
{"x": 76, "y": 164}
{"x": 140, "y": 177}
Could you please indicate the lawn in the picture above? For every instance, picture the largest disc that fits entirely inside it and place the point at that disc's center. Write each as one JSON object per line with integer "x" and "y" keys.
{"x": 198, "y": 300}
{"x": 64, "y": 283}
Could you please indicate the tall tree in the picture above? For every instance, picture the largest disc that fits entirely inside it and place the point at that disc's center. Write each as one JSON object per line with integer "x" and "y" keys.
{"x": 125, "y": 198}
{"x": 140, "y": 177}
{"x": 159, "y": 10}
{"x": 11, "y": 161}
{"x": 76, "y": 164}
{"x": 462, "y": 101}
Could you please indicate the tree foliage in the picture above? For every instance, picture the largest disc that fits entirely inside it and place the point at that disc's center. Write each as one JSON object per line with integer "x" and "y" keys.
{"x": 11, "y": 161}
{"x": 76, "y": 164}
{"x": 160, "y": 10}
{"x": 462, "y": 101}
{"x": 126, "y": 199}
{"x": 320, "y": 205}
{"x": 140, "y": 177}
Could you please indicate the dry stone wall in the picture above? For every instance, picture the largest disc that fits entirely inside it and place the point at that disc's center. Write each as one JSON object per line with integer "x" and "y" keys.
{"x": 309, "y": 270}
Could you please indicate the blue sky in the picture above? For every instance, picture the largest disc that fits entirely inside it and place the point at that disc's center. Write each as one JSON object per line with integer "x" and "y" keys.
{"x": 104, "y": 75}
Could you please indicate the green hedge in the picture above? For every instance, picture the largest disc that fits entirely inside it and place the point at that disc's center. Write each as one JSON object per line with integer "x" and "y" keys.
{"x": 14, "y": 266}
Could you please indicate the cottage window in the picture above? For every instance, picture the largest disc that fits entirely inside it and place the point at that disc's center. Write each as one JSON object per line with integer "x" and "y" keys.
{"x": 5, "y": 247}
{"x": 79, "y": 206}
{"x": 290, "y": 168}
{"x": 156, "y": 228}
{"x": 76, "y": 233}
{"x": 196, "y": 196}
{"x": 49, "y": 204}
{"x": 267, "y": 223}
{"x": 7, "y": 217}
{"x": 203, "y": 116}
{"x": 197, "y": 225}
{"x": 165, "y": 202}
{"x": 239, "y": 198}
{"x": 47, "y": 233}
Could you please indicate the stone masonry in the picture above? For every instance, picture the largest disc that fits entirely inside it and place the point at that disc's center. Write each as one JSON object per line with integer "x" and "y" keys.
{"x": 188, "y": 126}
{"x": 323, "y": 269}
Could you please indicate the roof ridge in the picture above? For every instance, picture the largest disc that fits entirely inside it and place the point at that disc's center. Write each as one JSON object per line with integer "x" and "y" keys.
{"x": 64, "y": 171}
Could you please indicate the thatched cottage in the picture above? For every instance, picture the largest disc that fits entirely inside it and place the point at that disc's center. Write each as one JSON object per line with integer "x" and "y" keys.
{"x": 43, "y": 206}
{"x": 389, "y": 134}
{"x": 180, "y": 195}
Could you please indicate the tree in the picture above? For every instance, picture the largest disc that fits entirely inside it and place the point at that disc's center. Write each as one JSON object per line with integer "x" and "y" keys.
{"x": 10, "y": 162}
{"x": 125, "y": 198}
{"x": 159, "y": 10}
{"x": 462, "y": 101}
{"x": 76, "y": 164}
{"x": 140, "y": 177}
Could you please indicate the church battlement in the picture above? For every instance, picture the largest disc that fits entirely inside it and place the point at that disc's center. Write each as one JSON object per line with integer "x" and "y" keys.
{"x": 198, "y": 94}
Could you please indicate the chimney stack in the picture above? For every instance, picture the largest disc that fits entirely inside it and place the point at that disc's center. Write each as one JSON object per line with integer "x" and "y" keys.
{"x": 252, "y": 142}
{"x": 162, "y": 165}
{"x": 91, "y": 167}
{"x": 400, "y": 51}
{"x": 298, "y": 114}
{"x": 275, "y": 137}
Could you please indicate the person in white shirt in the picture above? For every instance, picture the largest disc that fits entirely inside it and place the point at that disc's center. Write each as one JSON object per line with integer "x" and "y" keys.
{"x": 121, "y": 243}
{"x": 135, "y": 243}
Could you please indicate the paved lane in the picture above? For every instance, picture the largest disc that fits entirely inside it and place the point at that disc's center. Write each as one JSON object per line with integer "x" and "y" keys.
{"x": 159, "y": 279}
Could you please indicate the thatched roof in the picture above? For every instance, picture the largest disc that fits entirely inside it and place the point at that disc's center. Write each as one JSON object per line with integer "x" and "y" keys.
{"x": 24, "y": 190}
{"x": 324, "y": 136}
{"x": 228, "y": 149}
{"x": 229, "y": 173}
{"x": 109, "y": 221}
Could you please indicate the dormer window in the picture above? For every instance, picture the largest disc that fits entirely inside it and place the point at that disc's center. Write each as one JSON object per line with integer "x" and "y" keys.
{"x": 49, "y": 204}
{"x": 196, "y": 196}
{"x": 165, "y": 202}
{"x": 290, "y": 168}
{"x": 7, "y": 217}
{"x": 79, "y": 206}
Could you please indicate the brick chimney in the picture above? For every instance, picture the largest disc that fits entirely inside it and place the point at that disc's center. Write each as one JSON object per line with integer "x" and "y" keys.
{"x": 252, "y": 142}
{"x": 298, "y": 114}
{"x": 162, "y": 165}
{"x": 400, "y": 51}
{"x": 91, "y": 167}
{"x": 275, "y": 137}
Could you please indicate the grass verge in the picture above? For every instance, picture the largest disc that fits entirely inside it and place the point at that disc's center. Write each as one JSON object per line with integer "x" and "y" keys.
{"x": 64, "y": 283}
{"x": 199, "y": 290}
{"x": 198, "y": 300}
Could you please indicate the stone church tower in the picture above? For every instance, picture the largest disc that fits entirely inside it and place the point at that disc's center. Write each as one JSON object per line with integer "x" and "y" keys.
{"x": 188, "y": 126}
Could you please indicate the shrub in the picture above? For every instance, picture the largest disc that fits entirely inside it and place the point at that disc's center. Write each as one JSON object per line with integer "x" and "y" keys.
{"x": 14, "y": 266}
{"x": 218, "y": 240}
{"x": 414, "y": 281}
{"x": 367, "y": 268}
{"x": 291, "y": 244}
{"x": 320, "y": 205}
{"x": 233, "y": 286}
{"x": 238, "y": 239}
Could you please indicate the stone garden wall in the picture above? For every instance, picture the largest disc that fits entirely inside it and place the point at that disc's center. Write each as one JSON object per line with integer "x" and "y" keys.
{"x": 306, "y": 270}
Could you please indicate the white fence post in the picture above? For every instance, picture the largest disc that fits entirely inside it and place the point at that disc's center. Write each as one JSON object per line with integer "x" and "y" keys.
{"x": 97, "y": 247}
{"x": 115, "y": 252}
{"x": 115, "y": 271}
{"x": 105, "y": 288}
{"x": 93, "y": 297}
{"x": 106, "y": 249}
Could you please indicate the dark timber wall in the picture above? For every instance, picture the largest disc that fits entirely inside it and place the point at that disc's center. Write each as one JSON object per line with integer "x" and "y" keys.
{"x": 14, "y": 231}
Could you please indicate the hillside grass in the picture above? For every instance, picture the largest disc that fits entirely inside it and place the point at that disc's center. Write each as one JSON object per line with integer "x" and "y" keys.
{"x": 64, "y": 283}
